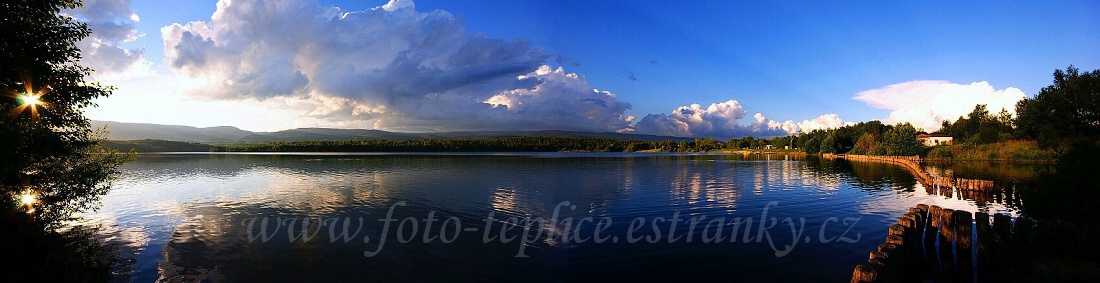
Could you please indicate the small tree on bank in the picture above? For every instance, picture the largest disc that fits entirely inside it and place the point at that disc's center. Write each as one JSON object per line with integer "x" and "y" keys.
{"x": 902, "y": 140}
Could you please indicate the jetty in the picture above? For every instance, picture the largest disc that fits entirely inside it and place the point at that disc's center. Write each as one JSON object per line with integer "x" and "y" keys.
{"x": 980, "y": 191}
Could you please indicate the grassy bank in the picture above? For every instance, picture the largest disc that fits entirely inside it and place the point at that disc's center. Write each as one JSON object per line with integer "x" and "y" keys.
{"x": 1012, "y": 150}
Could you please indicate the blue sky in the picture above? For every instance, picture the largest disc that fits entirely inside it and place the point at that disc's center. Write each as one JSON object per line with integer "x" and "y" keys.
{"x": 787, "y": 60}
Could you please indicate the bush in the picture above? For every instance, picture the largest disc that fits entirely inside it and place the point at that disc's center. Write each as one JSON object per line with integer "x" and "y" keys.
{"x": 941, "y": 153}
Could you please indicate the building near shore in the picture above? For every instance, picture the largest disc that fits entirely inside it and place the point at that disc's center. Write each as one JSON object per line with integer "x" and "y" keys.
{"x": 934, "y": 139}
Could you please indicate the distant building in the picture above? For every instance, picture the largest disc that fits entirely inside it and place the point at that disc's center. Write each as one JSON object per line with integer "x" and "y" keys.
{"x": 934, "y": 139}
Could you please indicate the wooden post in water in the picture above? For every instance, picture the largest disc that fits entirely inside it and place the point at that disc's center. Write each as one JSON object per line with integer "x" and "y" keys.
{"x": 1002, "y": 227}
{"x": 947, "y": 226}
{"x": 984, "y": 242}
{"x": 947, "y": 241}
{"x": 897, "y": 236}
{"x": 865, "y": 273}
{"x": 922, "y": 215}
{"x": 890, "y": 270}
{"x": 1022, "y": 233}
{"x": 935, "y": 218}
{"x": 963, "y": 245}
{"x": 970, "y": 247}
{"x": 887, "y": 266}
{"x": 920, "y": 242}
{"x": 930, "y": 234}
{"x": 912, "y": 235}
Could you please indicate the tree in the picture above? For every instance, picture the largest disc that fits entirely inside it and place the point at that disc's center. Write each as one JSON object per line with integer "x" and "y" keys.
{"x": 757, "y": 144}
{"x": 52, "y": 166}
{"x": 829, "y": 144}
{"x": 981, "y": 127}
{"x": 902, "y": 140}
{"x": 780, "y": 142}
{"x": 812, "y": 145}
{"x": 869, "y": 143}
{"x": 48, "y": 147}
{"x": 745, "y": 142}
{"x": 1062, "y": 114}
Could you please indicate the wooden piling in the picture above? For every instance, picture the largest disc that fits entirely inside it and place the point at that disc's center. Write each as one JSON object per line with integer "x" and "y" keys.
{"x": 947, "y": 226}
{"x": 1002, "y": 227}
{"x": 865, "y": 273}
{"x": 947, "y": 241}
{"x": 930, "y": 226}
{"x": 970, "y": 246}
{"x": 1022, "y": 232}
{"x": 912, "y": 235}
{"x": 935, "y": 211}
{"x": 933, "y": 184}
{"x": 963, "y": 245}
{"x": 983, "y": 243}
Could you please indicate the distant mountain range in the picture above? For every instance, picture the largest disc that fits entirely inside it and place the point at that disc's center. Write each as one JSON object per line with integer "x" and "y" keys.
{"x": 226, "y": 134}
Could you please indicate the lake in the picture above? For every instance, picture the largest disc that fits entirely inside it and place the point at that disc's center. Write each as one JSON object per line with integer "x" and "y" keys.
{"x": 546, "y": 217}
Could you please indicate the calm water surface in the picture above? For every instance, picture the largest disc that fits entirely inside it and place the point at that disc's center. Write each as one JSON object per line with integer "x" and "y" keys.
{"x": 189, "y": 216}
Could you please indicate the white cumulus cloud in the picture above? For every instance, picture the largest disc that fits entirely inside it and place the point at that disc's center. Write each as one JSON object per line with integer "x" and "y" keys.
{"x": 719, "y": 120}
{"x": 112, "y": 23}
{"x": 823, "y": 122}
{"x": 392, "y": 67}
{"x": 926, "y": 104}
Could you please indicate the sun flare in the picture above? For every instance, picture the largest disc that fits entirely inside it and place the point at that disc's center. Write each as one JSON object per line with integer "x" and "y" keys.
{"x": 30, "y": 100}
{"x": 27, "y": 199}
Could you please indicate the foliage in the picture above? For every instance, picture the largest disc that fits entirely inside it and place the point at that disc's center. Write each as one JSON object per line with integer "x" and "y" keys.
{"x": 939, "y": 153}
{"x": 829, "y": 144}
{"x": 869, "y": 144}
{"x": 1064, "y": 113}
{"x": 812, "y": 145}
{"x": 704, "y": 145}
{"x": 980, "y": 127}
{"x": 780, "y": 142}
{"x": 1010, "y": 150}
{"x": 50, "y": 154}
{"x": 872, "y": 138}
{"x": 902, "y": 140}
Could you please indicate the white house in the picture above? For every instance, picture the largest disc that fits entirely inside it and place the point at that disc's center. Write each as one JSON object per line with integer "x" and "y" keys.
{"x": 934, "y": 139}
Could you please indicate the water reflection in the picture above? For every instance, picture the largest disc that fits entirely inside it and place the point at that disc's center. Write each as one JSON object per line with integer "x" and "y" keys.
{"x": 182, "y": 214}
